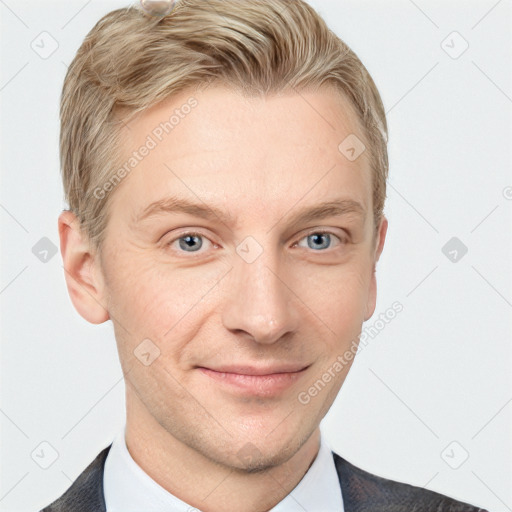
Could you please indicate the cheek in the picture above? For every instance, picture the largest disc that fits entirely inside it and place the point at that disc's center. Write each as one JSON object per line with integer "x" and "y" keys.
{"x": 157, "y": 300}
{"x": 337, "y": 295}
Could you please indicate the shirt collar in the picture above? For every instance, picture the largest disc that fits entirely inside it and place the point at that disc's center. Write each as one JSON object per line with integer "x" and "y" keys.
{"x": 128, "y": 488}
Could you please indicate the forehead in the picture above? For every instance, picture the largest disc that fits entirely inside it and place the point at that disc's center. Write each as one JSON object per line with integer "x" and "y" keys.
{"x": 261, "y": 154}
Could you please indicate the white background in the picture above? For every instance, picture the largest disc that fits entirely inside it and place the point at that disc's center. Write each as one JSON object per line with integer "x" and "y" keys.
{"x": 439, "y": 372}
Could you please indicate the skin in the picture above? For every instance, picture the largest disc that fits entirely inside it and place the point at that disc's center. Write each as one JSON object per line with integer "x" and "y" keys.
{"x": 303, "y": 299}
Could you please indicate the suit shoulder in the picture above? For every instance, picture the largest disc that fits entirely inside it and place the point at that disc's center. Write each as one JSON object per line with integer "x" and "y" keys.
{"x": 366, "y": 492}
{"x": 86, "y": 492}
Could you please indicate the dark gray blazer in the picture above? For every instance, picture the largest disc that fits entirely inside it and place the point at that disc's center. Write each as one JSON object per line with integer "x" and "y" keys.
{"x": 362, "y": 492}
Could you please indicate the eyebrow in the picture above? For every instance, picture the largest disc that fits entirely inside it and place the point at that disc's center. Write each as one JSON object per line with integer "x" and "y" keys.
{"x": 175, "y": 205}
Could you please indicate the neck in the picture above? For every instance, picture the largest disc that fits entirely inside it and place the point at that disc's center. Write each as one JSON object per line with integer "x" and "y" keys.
{"x": 203, "y": 482}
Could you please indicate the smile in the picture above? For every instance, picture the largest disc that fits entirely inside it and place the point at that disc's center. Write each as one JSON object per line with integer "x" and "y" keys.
{"x": 270, "y": 384}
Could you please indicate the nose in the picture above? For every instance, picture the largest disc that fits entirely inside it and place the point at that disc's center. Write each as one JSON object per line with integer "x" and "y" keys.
{"x": 259, "y": 302}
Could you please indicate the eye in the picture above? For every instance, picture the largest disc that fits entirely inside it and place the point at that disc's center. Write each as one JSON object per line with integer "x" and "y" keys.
{"x": 320, "y": 240}
{"x": 188, "y": 242}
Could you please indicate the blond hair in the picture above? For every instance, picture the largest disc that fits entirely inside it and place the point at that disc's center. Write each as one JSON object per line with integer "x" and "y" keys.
{"x": 131, "y": 60}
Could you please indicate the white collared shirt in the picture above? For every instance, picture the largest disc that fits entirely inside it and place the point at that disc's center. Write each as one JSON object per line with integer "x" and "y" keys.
{"x": 128, "y": 488}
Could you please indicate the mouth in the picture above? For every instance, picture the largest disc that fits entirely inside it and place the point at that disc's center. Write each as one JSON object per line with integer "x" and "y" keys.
{"x": 266, "y": 382}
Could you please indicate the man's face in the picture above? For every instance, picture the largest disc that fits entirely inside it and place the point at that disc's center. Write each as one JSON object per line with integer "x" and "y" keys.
{"x": 254, "y": 291}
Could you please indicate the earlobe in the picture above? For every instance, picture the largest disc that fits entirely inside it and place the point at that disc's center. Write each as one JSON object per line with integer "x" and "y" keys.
{"x": 372, "y": 292}
{"x": 81, "y": 270}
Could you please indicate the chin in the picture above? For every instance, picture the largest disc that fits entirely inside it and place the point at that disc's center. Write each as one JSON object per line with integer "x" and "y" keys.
{"x": 250, "y": 459}
{"x": 261, "y": 454}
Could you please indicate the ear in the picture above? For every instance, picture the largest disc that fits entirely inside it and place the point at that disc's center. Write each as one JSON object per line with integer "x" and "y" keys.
{"x": 372, "y": 292}
{"x": 82, "y": 270}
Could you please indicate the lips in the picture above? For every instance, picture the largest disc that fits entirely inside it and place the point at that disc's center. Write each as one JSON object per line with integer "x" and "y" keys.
{"x": 267, "y": 381}
{"x": 254, "y": 370}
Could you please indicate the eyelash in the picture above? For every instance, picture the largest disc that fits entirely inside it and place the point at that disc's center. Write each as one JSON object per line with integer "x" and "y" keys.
{"x": 342, "y": 240}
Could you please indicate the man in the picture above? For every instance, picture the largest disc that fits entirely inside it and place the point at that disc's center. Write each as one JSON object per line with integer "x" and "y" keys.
{"x": 225, "y": 167}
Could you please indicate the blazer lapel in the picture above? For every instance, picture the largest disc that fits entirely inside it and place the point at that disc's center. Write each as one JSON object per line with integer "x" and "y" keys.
{"x": 86, "y": 493}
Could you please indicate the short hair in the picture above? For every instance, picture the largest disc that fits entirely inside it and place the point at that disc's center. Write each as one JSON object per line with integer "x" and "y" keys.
{"x": 131, "y": 60}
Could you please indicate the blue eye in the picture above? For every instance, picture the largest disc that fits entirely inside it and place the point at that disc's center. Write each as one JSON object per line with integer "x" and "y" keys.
{"x": 189, "y": 242}
{"x": 319, "y": 240}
